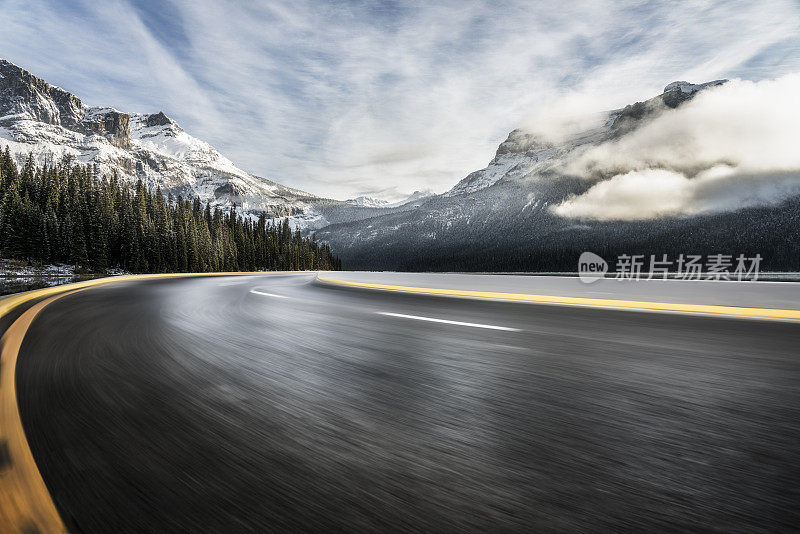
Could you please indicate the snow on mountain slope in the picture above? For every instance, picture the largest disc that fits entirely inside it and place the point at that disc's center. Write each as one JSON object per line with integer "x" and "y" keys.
{"x": 520, "y": 154}
{"x": 367, "y": 202}
{"x": 371, "y": 202}
{"x": 50, "y": 123}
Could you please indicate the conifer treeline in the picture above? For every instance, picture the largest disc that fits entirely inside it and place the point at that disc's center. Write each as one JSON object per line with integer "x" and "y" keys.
{"x": 66, "y": 213}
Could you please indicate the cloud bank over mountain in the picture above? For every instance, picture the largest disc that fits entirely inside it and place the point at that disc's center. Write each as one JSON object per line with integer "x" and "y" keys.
{"x": 730, "y": 147}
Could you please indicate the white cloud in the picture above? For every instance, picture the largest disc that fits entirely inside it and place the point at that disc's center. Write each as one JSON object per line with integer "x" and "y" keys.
{"x": 654, "y": 193}
{"x": 345, "y": 98}
{"x": 731, "y": 146}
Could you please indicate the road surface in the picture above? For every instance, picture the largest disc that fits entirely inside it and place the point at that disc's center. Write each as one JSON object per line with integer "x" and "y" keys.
{"x": 259, "y": 403}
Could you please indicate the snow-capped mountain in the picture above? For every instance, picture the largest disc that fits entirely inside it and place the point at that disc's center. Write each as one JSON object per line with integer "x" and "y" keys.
{"x": 48, "y": 122}
{"x": 367, "y": 202}
{"x": 372, "y": 202}
{"x": 523, "y": 153}
{"x": 546, "y": 199}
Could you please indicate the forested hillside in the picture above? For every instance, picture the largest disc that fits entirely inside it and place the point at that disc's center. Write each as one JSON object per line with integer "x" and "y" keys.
{"x": 68, "y": 213}
{"x": 478, "y": 237}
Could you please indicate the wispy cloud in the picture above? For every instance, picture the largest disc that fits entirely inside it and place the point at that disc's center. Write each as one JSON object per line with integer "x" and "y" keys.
{"x": 347, "y": 98}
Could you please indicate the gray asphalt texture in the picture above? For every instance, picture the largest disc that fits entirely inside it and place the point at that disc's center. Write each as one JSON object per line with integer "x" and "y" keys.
{"x": 195, "y": 405}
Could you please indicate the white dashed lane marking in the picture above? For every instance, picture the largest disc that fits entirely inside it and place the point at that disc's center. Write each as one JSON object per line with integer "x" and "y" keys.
{"x": 447, "y": 321}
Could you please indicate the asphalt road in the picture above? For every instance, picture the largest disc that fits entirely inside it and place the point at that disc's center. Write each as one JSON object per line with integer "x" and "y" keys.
{"x": 273, "y": 403}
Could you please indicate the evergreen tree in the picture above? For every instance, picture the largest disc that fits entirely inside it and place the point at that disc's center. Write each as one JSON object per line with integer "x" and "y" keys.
{"x": 61, "y": 212}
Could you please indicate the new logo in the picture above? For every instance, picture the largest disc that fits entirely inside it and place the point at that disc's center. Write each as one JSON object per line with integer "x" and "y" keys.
{"x": 591, "y": 267}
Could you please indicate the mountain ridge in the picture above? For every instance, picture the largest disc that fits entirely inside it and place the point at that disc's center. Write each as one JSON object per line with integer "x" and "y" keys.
{"x": 523, "y": 153}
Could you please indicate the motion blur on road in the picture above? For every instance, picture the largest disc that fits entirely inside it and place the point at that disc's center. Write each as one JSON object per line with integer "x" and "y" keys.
{"x": 275, "y": 402}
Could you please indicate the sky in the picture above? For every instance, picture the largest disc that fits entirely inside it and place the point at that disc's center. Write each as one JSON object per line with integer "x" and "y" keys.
{"x": 384, "y": 98}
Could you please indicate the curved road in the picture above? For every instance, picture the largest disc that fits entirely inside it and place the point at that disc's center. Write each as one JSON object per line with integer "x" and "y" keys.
{"x": 272, "y": 402}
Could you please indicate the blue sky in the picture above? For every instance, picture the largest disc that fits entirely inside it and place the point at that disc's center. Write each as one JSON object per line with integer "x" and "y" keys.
{"x": 383, "y": 98}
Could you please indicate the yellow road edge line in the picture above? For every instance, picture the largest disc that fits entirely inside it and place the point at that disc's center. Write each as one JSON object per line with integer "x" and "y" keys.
{"x": 712, "y": 309}
{"x": 25, "y": 503}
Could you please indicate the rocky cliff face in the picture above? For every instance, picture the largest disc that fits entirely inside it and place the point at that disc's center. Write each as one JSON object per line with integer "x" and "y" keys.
{"x": 109, "y": 123}
{"x": 23, "y": 96}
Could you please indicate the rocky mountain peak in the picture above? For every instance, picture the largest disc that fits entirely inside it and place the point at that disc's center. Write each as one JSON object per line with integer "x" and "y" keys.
{"x": 519, "y": 142}
{"x": 675, "y": 85}
{"x": 157, "y": 119}
{"x": 24, "y": 96}
{"x": 676, "y": 93}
